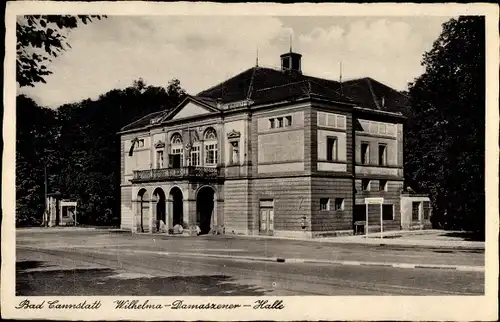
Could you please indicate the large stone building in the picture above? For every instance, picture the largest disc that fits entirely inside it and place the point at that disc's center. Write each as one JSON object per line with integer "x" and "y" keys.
{"x": 267, "y": 152}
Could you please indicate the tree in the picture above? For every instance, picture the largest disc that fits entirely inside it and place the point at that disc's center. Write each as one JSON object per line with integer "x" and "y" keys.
{"x": 444, "y": 135}
{"x": 39, "y": 38}
{"x": 90, "y": 150}
{"x": 35, "y": 149}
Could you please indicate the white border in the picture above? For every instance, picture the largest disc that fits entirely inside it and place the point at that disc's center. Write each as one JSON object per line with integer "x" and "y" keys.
{"x": 297, "y": 308}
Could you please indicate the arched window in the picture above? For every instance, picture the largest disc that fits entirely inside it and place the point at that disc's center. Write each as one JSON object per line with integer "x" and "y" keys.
{"x": 210, "y": 147}
{"x": 176, "y": 139}
{"x": 210, "y": 134}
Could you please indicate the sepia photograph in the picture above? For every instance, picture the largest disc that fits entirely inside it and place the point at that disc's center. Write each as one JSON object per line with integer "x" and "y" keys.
{"x": 247, "y": 155}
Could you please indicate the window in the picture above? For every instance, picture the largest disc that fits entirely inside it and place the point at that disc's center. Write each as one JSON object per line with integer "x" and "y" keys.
{"x": 382, "y": 185}
{"x": 382, "y": 128}
{"x": 176, "y": 139}
{"x": 339, "y": 203}
{"x": 176, "y": 156}
{"x": 324, "y": 204}
{"x": 280, "y": 122}
{"x": 321, "y": 119}
{"x": 235, "y": 152}
{"x": 195, "y": 156}
{"x": 211, "y": 154}
{"x": 365, "y": 153}
{"x": 271, "y": 123}
{"x": 331, "y": 148}
{"x": 388, "y": 212}
{"x": 341, "y": 121}
{"x": 382, "y": 154}
{"x": 210, "y": 134}
{"x": 140, "y": 143}
{"x": 159, "y": 159}
{"x": 288, "y": 121}
{"x": 365, "y": 183}
{"x": 415, "y": 211}
{"x": 331, "y": 120}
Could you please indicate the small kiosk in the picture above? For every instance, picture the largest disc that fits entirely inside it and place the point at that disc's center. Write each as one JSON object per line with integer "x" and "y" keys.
{"x": 61, "y": 212}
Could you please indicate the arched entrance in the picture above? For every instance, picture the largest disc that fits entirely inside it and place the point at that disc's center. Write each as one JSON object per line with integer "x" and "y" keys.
{"x": 161, "y": 213}
{"x": 143, "y": 208}
{"x": 177, "y": 206}
{"x": 205, "y": 209}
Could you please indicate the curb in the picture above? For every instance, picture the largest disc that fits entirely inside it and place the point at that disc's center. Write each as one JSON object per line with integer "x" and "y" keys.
{"x": 394, "y": 265}
{"x": 320, "y": 261}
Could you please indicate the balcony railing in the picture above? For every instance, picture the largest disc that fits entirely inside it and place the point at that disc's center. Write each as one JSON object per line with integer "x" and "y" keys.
{"x": 179, "y": 173}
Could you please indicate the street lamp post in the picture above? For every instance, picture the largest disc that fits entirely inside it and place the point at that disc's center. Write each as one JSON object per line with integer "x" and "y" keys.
{"x": 45, "y": 213}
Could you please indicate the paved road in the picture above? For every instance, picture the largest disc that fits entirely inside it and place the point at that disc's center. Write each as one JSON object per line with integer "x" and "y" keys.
{"x": 100, "y": 263}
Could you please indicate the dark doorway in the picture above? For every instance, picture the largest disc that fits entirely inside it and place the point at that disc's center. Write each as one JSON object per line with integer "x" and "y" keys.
{"x": 161, "y": 214}
{"x": 177, "y": 206}
{"x": 204, "y": 209}
{"x": 143, "y": 208}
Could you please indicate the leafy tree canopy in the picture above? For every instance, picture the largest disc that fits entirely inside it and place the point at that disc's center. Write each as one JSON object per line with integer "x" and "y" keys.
{"x": 444, "y": 135}
{"x": 39, "y": 39}
{"x": 80, "y": 147}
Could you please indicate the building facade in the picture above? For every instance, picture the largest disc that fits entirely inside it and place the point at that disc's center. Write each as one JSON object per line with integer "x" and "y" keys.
{"x": 268, "y": 151}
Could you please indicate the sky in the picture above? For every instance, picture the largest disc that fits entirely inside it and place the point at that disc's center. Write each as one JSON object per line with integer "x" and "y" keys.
{"x": 202, "y": 51}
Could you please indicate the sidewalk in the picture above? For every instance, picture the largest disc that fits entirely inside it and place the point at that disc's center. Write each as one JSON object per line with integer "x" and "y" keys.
{"x": 394, "y": 238}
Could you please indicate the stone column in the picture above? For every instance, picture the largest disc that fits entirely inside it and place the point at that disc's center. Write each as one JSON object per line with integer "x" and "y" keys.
{"x": 214, "y": 213}
{"x": 134, "y": 216}
{"x": 169, "y": 214}
{"x": 150, "y": 221}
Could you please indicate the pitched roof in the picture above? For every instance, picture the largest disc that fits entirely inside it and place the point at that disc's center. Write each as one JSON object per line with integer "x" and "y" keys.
{"x": 262, "y": 84}
{"x": 143, "y": 121}
{"x": 266, "y": 85}
{"x": 369, "y": 93}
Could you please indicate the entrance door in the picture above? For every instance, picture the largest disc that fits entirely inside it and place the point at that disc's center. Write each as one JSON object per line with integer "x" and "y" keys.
{"x": 266, "y": 225}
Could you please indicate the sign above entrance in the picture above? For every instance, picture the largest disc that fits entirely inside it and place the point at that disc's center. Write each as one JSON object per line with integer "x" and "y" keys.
{"x": 237, "y": 104}
{"x": 376, "y": 201}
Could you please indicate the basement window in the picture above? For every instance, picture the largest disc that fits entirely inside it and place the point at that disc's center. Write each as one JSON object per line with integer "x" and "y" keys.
{"x": 339, "y": 203}
{"x": 365, "y": 183}
{"x": 324, "y": 204}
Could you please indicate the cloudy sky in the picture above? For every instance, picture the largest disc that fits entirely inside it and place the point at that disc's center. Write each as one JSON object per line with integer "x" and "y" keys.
{"x": 204, "y": 50}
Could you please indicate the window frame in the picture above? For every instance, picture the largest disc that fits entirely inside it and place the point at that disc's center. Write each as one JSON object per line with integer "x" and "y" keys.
{"x": 160, "y": 152}
{"x": 280, "y": 122}
{"x": 211, "y": 152}
{"x": 413, "y": 203}
{"x": 195, "y": 151}
{"x": 333, "y": 156}
{"x": 382, "y": 158}
{"x": 367, "y": 152}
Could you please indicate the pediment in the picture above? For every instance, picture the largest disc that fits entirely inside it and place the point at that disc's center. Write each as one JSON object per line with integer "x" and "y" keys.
{"x": 189, "y": 110}
{"x": 233, "y": 134}
{"x": 160, "y": 145}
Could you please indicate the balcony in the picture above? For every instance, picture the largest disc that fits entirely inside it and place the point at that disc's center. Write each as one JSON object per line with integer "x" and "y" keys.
{"x": 189, "y": 173}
